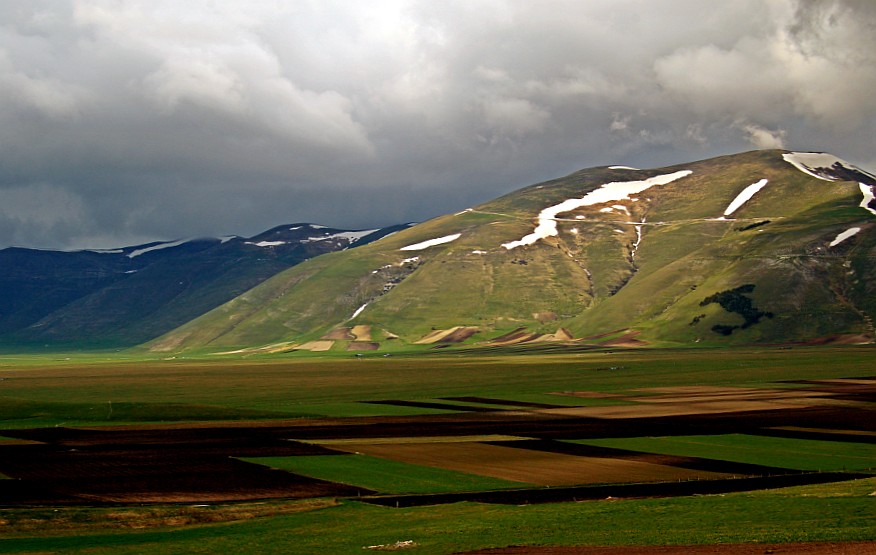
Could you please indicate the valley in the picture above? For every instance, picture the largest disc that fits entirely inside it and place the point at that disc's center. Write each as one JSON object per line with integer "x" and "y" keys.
{"x": 182, "y": 446}
{"x": 616, "y": 359}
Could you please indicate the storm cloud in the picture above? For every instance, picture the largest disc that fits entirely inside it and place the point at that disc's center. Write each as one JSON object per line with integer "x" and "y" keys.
{"x": 129, "y": 121}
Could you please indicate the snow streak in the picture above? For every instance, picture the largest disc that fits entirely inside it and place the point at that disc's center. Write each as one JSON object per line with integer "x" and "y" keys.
{"x": 745, "y": 196}
{"x": 431, "y": 243}
{"x": 615, "y": 191}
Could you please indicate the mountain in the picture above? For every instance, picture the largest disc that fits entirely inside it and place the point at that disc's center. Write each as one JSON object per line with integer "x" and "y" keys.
{"x": 769, "y": 247}
{"x": 125, "y": 296}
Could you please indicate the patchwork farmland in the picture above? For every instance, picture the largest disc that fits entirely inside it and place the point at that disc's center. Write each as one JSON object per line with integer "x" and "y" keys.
{"x": 498, "y": 431}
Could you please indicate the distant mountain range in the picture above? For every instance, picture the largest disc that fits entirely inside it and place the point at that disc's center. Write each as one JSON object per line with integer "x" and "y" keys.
{"x": 126, "y": 296}
{"x": 763, "y": 247}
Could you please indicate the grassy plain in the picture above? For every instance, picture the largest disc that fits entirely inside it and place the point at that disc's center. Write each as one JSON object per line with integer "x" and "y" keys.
{"x": 109, "y": 389}
{"x": 837, "y": 512}
{"x": 112, "y": 389}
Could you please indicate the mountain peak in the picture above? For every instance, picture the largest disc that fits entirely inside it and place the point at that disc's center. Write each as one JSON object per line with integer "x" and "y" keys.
{"x": 746, "y": 248}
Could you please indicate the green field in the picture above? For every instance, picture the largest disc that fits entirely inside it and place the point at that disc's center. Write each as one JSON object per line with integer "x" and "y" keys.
{"x": 41, "y": 391}
{"x": 383, "y": 475}
{"x": 840, "y": 512}
{"x": 111, "y": 390}
{"x": 799, "y": 454}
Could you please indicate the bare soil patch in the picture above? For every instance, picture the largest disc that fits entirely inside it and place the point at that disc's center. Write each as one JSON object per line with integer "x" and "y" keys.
{"x": 735, "y": 394}
{"x": 340, "y": 334}
{"x": 819, "y": 548}
{"x": 657, "y": 410}
{"x": 625, "y": 340}
{"x": 690, "y": 463}
{"x": 435, "y": 336}
{"x": 456, "y": 334}
{"x": 362, "y": 333}
{"x": 502, "y": 402}
{"x": 317, "y": 346}
{"x": 562, "y": 334}
{"x": 527, "y": 465}
{"x": 515, "y": 337}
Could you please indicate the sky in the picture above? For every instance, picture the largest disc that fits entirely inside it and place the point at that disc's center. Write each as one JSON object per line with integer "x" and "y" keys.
{"x": 124, "y": 122}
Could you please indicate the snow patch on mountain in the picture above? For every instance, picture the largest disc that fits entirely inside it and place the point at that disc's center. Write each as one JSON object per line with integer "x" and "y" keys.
{"x": 351, "y": 236}
{"x": 830, "y": 168}
{"x": 157, "y": 247}
{"x": 820, "y": 165}
{"x": 266, "y": 243}
{"x": 867, "y": 191}
{"x": 609, "y": 192}
{"x": 358, "y": 311}
{"x": 622, "y": 168}
{"x": 745, "y": 196}
{"x": 431, "y": 243}
{"x": 638, "y": 239}
{"x": 851, "y": 232}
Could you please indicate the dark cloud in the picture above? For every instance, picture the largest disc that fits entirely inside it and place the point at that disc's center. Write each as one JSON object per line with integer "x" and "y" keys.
{"x": 129, "y": 121}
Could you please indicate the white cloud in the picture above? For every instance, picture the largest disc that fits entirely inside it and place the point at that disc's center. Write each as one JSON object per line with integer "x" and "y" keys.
{"x": 760, "y": 137}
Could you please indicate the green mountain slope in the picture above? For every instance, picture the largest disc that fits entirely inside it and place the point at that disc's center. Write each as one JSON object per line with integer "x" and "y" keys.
{"x": 759, "y": 247}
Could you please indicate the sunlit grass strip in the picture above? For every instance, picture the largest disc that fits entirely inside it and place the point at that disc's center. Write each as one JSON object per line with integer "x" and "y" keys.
{"x": 797, "y": 454}
{"x": 384, "y": 476}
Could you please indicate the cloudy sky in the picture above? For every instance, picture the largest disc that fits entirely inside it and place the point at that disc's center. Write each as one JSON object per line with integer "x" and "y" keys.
{"x": 125, "y": 121}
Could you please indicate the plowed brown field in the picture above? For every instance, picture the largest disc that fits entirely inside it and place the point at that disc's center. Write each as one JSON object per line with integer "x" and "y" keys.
{"x": 526, "y": 465}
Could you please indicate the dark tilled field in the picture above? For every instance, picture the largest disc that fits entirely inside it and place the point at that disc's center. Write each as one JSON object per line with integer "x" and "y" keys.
{"x": 76, "y": 467}
{"x": 194, "y": 463}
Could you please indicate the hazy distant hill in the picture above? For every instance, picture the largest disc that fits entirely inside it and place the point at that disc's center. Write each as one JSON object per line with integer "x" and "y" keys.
{"x": 126, "y": 296}
{"x": 759, "y": 247}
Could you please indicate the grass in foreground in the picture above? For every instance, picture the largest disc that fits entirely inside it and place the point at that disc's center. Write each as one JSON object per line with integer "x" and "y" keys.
{"x": 797, "y": 454}
{"x": 384, "y": 476}
{"x": 832, "y": 512}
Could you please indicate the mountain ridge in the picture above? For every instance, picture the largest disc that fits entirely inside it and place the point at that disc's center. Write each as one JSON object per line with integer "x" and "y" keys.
{"x": 124, "y": 296}
{"x": 629, "y": 267}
